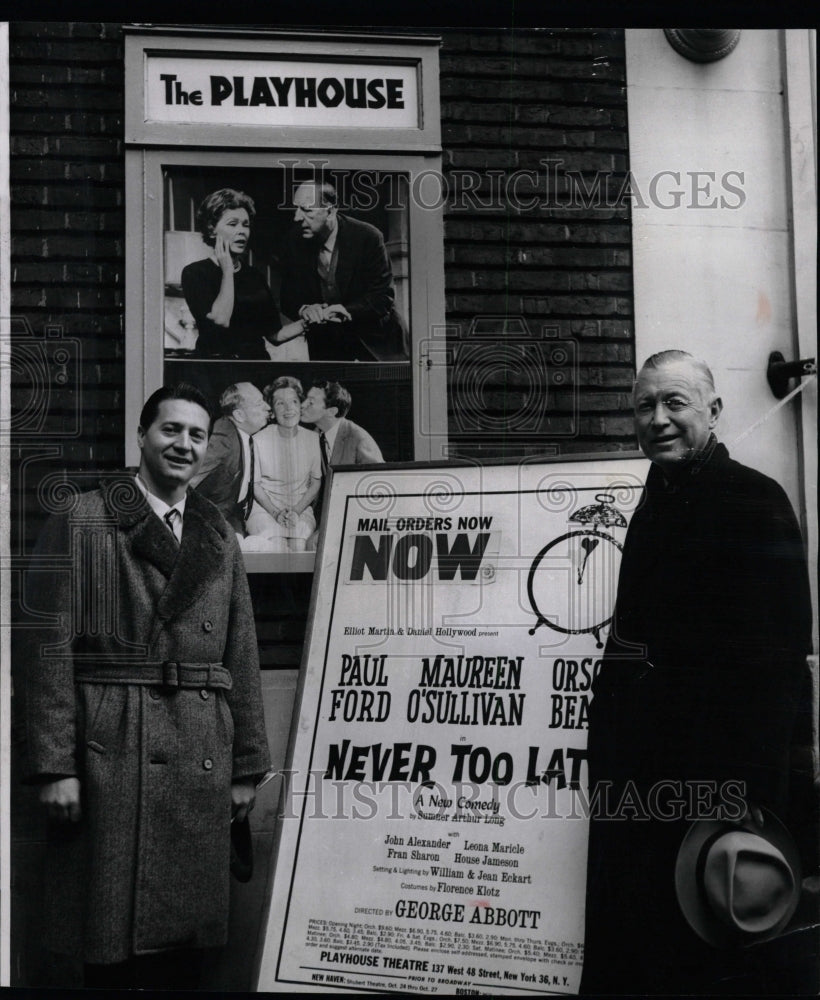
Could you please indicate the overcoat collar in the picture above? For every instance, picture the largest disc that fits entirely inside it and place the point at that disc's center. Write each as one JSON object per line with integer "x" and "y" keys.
{"x": 191, "y": 566}
{"x": 696, "y": 477}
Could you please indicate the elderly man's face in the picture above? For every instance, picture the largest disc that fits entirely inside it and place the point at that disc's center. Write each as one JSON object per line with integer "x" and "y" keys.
{"x": 675, "y": 412}
{"x": 254, "y": 412}
{"x": 314, "y": 219}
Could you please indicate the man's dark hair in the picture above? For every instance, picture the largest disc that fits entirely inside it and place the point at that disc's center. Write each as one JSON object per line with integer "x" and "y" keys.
{"x": 335, "y": 395}
{"x": 215, "y": 205}
{"x": 182, "y": 390}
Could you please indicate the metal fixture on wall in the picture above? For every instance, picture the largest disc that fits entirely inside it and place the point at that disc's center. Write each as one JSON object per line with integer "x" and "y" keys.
{"x": 779, "y": 371}
{"x": 703, "y": 44}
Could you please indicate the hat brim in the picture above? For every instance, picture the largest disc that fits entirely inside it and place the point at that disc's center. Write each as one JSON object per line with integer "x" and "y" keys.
{"x": 241, "y": 851}
{"x": 692, "y": 898}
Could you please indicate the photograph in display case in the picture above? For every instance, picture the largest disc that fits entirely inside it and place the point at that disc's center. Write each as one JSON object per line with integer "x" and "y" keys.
{"x": 286, "y": 301}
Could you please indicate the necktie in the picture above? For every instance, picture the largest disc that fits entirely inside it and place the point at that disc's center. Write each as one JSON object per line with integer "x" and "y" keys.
{"x": 325, "y": 449}
{"x": 247, "y": 503}
{"x": 172, "y": 519}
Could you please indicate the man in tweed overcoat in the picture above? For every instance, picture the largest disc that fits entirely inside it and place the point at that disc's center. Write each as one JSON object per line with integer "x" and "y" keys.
{"x": 145, "y": 729}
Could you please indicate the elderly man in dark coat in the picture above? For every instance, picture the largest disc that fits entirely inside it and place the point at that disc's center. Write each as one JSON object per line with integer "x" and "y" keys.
{"x": 695, "y": 704}
{"x": 145, "y": 729}
{"x": 337, "y": 278}
{"x": 226, "y": 474}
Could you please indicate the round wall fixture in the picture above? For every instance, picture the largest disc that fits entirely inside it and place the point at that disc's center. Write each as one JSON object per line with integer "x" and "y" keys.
{"x": 703, "y": 44}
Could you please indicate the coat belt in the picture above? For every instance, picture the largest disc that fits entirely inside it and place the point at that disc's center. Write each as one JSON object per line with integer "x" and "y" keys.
{"x": 170, "y": 674}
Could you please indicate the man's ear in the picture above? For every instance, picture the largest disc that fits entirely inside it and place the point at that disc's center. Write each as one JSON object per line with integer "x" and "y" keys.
{"x": 715, "y": 410}
{"x": 140, "y": 437}
{"x": 333, "y": 410}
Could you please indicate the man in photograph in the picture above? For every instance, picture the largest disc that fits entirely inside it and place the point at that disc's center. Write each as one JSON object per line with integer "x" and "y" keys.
{"x": 144, "y": 723}
{"x": 337, "y": 278}
{"x": 326, "y": 406}
{"x": 693, "y": 715}
{"x": 226, "y": 474}
{"x": 341, "y": 441}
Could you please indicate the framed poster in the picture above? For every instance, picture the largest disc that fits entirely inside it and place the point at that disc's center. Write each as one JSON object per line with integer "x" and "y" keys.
{"x": 433, "y": 831}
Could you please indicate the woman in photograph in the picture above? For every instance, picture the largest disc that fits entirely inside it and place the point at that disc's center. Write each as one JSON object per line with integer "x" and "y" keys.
{"x": 288, "y": 474}
{"x": 230, "y": 300}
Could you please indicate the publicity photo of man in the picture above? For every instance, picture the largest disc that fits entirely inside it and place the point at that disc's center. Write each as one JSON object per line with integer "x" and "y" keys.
{"x": 337, "y": 278}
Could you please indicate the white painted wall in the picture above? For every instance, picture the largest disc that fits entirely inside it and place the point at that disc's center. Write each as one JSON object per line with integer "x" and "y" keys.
{"x": 720, "y": 281}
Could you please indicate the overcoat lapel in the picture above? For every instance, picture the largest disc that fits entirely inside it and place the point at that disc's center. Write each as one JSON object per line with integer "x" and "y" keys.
{"x": 200, "y": 558}
{"x": 149, "y": 539}
{"x": 340, "y": 442}
{"x": 189, "y": 567}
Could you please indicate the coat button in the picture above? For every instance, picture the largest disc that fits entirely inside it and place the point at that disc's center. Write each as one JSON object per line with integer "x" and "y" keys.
{"x": 203, "y": 694}
{"x": 208, "y": 625}
{"x": 153, "y": 693}
{"x": 207, "y": 763}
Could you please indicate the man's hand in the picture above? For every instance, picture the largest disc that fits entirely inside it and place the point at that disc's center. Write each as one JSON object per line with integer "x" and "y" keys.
{"x": 243, "y": 794}
{"x": 314, "y": 313}
{"x": 336, "y": 313}
{"x": 62, "y": 800}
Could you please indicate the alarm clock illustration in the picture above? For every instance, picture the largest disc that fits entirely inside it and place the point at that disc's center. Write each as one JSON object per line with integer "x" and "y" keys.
{"x": 573, "y": 580}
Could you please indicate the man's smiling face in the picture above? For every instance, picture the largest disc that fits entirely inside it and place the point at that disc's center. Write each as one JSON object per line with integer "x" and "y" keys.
{"x": 173, "y": 447}
{"x": 675, "y": 412}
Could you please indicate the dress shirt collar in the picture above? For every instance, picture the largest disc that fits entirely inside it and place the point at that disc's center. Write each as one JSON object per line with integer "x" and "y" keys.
{"x": 160, "y": 507}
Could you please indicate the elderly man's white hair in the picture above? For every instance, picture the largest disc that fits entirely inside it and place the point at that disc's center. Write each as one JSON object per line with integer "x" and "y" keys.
{"x": 665, "y": 357}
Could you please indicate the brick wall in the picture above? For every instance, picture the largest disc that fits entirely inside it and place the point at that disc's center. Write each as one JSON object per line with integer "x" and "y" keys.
{"x": 67, "y": 249}
{"x": 534, "y": 247}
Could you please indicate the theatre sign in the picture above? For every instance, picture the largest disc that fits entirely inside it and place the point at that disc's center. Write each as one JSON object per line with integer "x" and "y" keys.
{"x": 281, "y": 92}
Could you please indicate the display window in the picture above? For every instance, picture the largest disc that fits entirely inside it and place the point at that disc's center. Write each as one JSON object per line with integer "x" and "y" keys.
{"x": 285, "y": 241}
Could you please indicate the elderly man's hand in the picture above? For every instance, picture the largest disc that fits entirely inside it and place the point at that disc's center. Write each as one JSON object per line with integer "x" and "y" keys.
{"x": 313, "y": 313}
{"x": 337, "y": 313}
{"x": 243, "y": 794}
{"x": 62, "y": 800}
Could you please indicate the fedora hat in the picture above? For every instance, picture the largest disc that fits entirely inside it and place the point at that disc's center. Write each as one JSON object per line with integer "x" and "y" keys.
{"x": 738, "y": 883}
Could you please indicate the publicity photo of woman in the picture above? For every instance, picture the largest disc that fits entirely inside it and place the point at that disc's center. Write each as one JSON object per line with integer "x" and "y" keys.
{"x": 287, "y": 475}
{"x": 230, "y": 300}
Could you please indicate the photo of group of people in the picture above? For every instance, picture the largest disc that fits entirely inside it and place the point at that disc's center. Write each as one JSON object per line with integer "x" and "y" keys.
{"x": 284, "y": 274}
{"x": 268, "y": 458}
